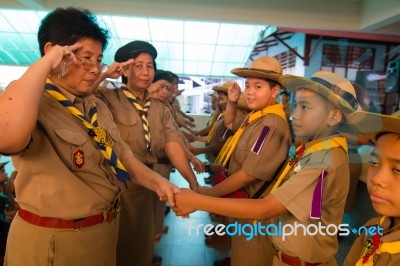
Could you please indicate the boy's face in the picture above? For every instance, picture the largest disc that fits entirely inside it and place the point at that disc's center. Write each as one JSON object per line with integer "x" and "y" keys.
{"x": 259, "y": 94}
{"x": 310, "y": 118}
{"x": 383, "y": 177}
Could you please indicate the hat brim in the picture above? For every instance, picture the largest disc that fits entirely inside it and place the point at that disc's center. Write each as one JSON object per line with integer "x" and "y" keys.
{"x": 372, "y": 124}
{"x": 220, "y": 89}
{"x": 255, "y": 73}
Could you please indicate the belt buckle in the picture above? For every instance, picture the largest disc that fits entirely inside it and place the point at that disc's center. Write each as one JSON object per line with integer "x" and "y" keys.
{"x": 78, "y": 224}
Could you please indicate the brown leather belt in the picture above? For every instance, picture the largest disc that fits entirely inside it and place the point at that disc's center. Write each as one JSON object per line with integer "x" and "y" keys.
{"x": 104, "y": 217}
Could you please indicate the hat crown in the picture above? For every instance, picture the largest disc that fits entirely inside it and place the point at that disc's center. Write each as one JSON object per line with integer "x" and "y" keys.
{"x": 340, "y": 86}
{"x": 224, "y": 87}
{"x": 267, "y": 63}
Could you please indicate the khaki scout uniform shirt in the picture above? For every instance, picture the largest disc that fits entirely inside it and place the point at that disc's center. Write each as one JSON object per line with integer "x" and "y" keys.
{"x": 384, "y": 259}
{"x": 49, "y": 182}
{"x": 296, "y": 195}
{"x": 258, "y": 251}
{"x": 129, "y": 123}
{"x": 273, "y": 152}
{"x": 221, "y": 134}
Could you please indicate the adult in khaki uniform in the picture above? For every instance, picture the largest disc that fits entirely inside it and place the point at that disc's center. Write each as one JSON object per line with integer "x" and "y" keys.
{"x": 313, "y": 185}
{"x": 128, "y": 105}
{"x": 68, "y": 151}
{"x": 382, "y": 245}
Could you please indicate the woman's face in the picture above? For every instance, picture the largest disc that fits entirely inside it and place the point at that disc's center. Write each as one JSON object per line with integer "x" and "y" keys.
{"x": 383, "y": 178}
{"x": 82, "y": 75}
{"x": 141, "y": 73}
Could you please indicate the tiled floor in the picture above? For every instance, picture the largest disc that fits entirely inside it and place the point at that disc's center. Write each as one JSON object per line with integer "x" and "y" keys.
{"x": 179, "y": 247}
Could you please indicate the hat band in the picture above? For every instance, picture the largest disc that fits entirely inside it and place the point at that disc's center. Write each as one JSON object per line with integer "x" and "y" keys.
{"x": 348, "y": 97}
{"x": 265, "y": 71}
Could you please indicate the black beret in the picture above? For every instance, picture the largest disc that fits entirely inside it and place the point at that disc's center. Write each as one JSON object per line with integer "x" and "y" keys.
{"x": 165, "y": 75}
{"x": 133, "y": 49}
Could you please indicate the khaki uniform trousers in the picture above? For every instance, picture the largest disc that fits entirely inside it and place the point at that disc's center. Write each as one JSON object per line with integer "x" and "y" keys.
{"x": 255, "y": 252}
{"x": 136, "y": 228}
{"x": 40, "y": 246}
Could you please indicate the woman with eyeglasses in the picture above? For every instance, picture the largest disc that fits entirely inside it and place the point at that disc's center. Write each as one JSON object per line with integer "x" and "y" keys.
{"x": 73, "y": 162}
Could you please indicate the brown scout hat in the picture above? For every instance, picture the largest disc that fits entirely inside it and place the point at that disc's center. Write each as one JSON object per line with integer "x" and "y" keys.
{"x": 332, "y": 87}
{"x": 263, "y": 67}
{"x": 372, "y": 124}
{"x": 224, "y": 87}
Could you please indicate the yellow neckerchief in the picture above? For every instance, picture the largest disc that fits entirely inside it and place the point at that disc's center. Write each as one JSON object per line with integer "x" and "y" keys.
{"x": 143, "y": 110}
{"x": 334, "y": 142}
{"x": 384, "y": 247}
{"x": 231, "y": 143}
{"x": 212, "y": 117}
{"x": 214, "y": 126}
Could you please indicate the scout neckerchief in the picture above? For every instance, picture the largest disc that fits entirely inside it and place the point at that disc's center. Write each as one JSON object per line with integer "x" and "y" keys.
{"x": 373, "y": 246}
{"x": 316, "y": 204}
{"x": 214, "y": 126}
{"x": 142, "y": 113}
{"x": 99, "y": 134}
{"x": 231, "y": 143}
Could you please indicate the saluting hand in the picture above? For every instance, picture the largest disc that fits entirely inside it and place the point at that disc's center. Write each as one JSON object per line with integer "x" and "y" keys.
{"x": 117, "y": 69}
{"x": 59, "y": 55}
{"x": 234, "y": 93}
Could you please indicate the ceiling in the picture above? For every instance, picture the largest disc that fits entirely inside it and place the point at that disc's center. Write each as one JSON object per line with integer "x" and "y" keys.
{"x": 197, "y": 37}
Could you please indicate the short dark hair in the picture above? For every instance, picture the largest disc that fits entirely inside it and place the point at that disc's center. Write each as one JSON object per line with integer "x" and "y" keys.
{"x": 65, "y": 26}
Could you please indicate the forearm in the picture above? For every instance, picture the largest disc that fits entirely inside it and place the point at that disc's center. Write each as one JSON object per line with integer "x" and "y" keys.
{"x": 235, "y": 182}
{"x": 230, "y": 115}
{"x": 212, "y": 149}
{"x": 20, "y": 106}
{"x": 179, "y": 159}
{"x": 141, "y": 174}
{"x": 257, "y": 209}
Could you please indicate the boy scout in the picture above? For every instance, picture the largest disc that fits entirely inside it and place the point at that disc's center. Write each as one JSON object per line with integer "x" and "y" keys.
{"x": 312, "y": 188}
{"x": 382, "y": 246}
{"x": 146, "y": 126}
{"x": 258, "y": 148}
{"x": 72, "y": 157}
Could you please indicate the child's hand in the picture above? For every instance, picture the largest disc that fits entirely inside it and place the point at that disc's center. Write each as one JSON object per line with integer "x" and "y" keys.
{"x": 184, "y": 202}
{"x": 234, "y": 93}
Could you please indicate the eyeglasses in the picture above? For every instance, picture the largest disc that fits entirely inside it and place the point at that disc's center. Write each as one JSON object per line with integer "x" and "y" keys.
{"x": 89, "y": 64}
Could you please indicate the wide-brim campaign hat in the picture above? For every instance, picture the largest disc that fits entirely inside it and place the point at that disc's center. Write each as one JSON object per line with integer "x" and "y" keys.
{"x": 224, "y": 87}
{"x": 2, "y": 164}
{"x": 133, "y": 49}
{"x": 372, "y": 124}
{"x": 263, "y": 67}
{"x": 331, "y": 86}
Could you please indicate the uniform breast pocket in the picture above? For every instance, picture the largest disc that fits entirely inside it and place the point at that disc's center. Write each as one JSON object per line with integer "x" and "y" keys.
{"x": 126, "y": 117}
{"x": 74, "y": 148}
